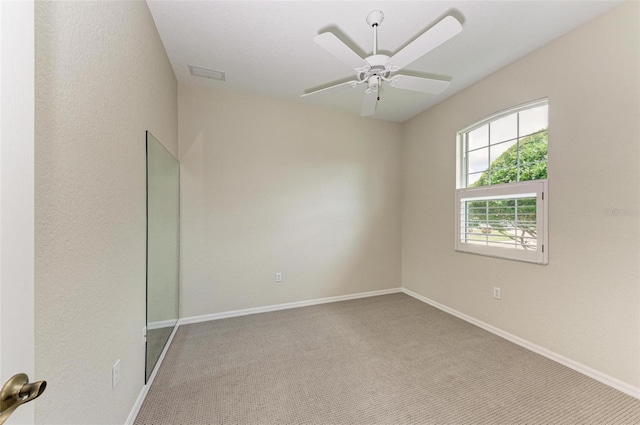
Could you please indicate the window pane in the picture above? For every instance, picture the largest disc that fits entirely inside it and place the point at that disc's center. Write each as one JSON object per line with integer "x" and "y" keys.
{"x": 478, "y": 160}
{"x": 479, "y": 137}
{"x": 510, "y": 149}
{"x": 533, "y": 171}
{"x": 533, "y": 120}
{"x": 472, "y": 180}
{"x": 497, "y": 150}
{"x": 533, "y": 157}
{"x": 504, "y": 175}
{"x": 506, "y": 223}
{"x": 504, "y": 129}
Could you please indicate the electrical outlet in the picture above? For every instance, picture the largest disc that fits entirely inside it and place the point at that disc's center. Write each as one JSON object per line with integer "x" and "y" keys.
{"x": 115, "y": 374}
{"x": 278, "y": 277}
{"x": 497, "y": 293}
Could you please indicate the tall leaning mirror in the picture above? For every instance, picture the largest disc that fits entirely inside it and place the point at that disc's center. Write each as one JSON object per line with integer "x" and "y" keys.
{"x": 163, "y": 248}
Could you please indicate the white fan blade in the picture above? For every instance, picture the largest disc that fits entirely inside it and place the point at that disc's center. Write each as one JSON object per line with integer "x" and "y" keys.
{"x": 336, "y": 88}
{"x": 332, "y": 44}
{"x": 425, "y": 85}
{"x": 369, "y": 102}
{"x": 429, "y": 40}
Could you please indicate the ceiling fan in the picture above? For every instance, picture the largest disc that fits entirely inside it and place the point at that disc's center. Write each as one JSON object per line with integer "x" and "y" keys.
{"x": 376, "y": 69}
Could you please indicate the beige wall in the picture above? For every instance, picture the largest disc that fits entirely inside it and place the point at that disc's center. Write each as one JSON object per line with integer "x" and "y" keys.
{"x": 270, "y": 186}
{"x": 585, "y": 304}
{"x": 102, "y": 79}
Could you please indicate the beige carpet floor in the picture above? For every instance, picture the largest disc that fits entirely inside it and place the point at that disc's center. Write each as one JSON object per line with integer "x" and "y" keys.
{"x": 382, "y": 360}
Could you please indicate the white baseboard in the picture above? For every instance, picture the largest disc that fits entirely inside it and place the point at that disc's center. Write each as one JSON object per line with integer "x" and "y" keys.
{"x": 145, "y": 389}
{"x": 286, "y": 306}
{"x": 578, "y": 367}
{"x": 162, "y": 324}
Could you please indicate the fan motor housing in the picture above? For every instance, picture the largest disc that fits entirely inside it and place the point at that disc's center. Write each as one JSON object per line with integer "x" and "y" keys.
{"x": 378, "y": 67}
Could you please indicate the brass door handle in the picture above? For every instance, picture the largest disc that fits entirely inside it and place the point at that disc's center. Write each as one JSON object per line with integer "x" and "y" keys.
{"x": 17, "y": 391}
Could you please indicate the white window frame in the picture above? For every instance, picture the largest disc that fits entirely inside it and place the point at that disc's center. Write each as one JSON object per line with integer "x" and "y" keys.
{"x": 537, "y": 188}
{"x": 461, "y": 160}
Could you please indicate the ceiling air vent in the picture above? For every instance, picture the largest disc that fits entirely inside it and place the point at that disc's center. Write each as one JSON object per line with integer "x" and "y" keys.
{"x": 207, "y": 73}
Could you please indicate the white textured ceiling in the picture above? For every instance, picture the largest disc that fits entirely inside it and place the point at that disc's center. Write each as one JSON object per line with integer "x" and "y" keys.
{"x": 267, "y": 48}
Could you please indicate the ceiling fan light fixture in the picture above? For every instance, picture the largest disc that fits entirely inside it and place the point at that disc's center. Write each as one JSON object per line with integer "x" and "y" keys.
{"x": 207, "y": 73}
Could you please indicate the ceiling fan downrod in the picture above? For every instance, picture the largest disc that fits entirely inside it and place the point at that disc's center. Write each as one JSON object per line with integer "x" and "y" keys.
{"x": 374, "y": 19}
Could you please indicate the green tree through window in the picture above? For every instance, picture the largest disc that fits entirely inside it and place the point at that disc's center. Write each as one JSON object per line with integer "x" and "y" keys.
{"x": 508, "y": 168}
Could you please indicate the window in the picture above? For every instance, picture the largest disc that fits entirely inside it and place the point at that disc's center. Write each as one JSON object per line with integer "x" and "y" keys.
{"x": 501, "y": 208}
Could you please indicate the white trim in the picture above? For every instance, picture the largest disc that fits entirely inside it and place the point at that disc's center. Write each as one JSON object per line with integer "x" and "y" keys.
{"x": 17, "y": 141}
{"x": 286, "y": 306}
{"x": 503, "y": 113}
{"x": 145, "y": 389}
{"x": 572, "y": 364}
{"x": 235, "y": 313}
{"x": 162, "y": 324}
